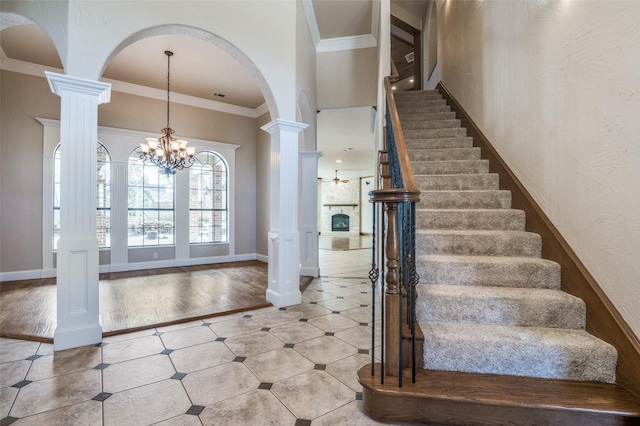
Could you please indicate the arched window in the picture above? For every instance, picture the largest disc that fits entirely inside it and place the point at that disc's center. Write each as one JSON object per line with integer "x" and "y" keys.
{"x": 150, "y": 205}
{"x": 208, "y": 199}
{"x": 103, "y": 205}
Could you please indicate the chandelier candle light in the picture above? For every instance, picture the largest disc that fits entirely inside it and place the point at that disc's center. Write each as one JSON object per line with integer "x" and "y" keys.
{"x": 167, "y": 152}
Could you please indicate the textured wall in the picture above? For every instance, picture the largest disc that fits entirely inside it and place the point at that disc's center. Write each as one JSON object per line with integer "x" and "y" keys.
{"x": 346, "y": 78}
{"x": 555, "y": 86}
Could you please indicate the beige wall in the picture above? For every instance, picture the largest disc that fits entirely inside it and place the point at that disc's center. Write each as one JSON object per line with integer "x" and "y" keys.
{"x": 347, "y": 78}
{"x": 26, "y": 97}
{"x": 263, "y": 173}
{"x": 23, "y": 99}
{"x": 555, "y": 87}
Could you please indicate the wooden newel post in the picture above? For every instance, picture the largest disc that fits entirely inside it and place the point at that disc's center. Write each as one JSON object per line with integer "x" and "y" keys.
{"x": 392, "y": 292}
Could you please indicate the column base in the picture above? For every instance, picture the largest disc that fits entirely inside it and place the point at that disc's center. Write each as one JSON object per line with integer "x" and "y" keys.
{"x": 74, "y": 337}
{"x": 280, "y": 300}
{"x": 310, "y": 272}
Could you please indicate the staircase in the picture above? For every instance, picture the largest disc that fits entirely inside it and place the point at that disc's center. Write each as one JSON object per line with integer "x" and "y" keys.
{"x": 488, "y": 305}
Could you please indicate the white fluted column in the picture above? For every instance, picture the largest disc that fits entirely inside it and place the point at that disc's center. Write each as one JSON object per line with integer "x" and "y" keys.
{"x": 309, "y": 217}
{"x": 284, "y": 246}
{"x": 78, "y": 321}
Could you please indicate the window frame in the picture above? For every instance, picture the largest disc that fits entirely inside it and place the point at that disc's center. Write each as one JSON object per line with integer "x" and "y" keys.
{"x": 107, "y": 200}
{"x": 213, "y": 209}
{"x": 148, "y": 229}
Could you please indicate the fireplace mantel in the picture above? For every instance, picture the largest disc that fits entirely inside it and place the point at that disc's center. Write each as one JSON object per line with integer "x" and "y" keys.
{"x": 340, "y": 205}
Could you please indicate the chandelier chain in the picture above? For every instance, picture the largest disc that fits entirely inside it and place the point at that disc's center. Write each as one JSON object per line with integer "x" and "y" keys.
{"x": 168, "y": 153}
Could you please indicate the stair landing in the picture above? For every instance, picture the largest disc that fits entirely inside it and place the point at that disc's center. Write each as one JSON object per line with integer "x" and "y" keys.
{"x": 454, "y": 398}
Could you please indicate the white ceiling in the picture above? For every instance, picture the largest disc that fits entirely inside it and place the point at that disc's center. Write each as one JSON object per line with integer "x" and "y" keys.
{"x": 200, "y": 69}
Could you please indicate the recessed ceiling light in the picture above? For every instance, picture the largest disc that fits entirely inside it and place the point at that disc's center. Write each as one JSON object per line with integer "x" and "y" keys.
{"x": 338, "y": 161}
{"x": 411, "y": 81}
{"x": 393, "y": 87}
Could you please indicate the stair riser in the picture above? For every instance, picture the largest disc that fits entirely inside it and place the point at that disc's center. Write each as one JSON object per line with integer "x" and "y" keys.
{"x": 435, "y": 133}
{"x": 422, "y": 94}
{"x": 533, "y": 356}
{"x": 534, "y": 308}
{"x": 473, "y": 244}
{"x": 438, "y": 143}
{"x": 496, "y": 219}
{"x": 474, "y": 271}
{"x": 444, "y": 154}
{"x": 445, "y": 114}
{"x": 464, "y": 199}
{"x": 412, "y": 105}
{"x": 450, "y": 167}
{"x": 423, "y": 112}
{"x": 457, "y": 182}
{"x": 430, "y": 124}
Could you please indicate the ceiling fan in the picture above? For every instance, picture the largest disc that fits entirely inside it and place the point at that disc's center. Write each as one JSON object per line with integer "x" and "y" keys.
{"x": 337, "y": 181}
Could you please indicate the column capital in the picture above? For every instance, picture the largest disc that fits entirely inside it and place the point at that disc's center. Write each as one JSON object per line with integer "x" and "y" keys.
{"x": 280, "y": 124}
{"x": 61, "y": 84}
{"x": 310, "y": 154}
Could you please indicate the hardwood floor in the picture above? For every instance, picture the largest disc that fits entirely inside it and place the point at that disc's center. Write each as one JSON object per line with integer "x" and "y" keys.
{"x": 136, "y": 300}
{"x": 139, "y": 299}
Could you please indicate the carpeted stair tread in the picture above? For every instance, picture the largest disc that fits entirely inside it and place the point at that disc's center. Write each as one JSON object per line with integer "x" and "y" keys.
{"x": 460, "y": 182}
{"x": 518, "y": 351}
{"x": 455, "y": 132}
{"x": 438, "y": 143}
{"x": 431, "y": 124}
{"x": 531, "y": 307}
{"x": 444, "y": 154}
{"x": 478, "y": 243}
{"x": 465, "y": 199}
{"x": 502, "y": 271}
{"x": 450, "y": 167}
{"x": 471, "y": 219}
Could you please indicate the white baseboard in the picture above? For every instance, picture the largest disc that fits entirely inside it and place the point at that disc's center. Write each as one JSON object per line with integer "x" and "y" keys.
{"x": 27, "y": 275}
{"x": 137, "y": 266}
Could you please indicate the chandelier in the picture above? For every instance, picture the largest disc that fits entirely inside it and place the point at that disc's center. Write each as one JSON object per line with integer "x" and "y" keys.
{"x": 167, "y": 152}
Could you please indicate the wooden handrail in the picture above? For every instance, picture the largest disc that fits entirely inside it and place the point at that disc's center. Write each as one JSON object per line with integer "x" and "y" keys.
{"x": 408, "y": 181}
{"x": 399, "y": 243}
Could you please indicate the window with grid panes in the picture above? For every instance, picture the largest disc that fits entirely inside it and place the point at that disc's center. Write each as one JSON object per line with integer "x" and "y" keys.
{"x": 151, "y": 219}
{"x": 103, "y": 194}
{"x": 208, "y": 199}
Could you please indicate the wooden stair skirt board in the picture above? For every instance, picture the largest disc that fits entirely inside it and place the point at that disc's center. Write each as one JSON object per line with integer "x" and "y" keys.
{"x": 453, "y": 398}
{"x": 603, "y": 320}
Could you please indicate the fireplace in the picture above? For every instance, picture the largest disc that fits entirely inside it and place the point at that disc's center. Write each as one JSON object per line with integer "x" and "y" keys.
{"x": 340, "y": 222}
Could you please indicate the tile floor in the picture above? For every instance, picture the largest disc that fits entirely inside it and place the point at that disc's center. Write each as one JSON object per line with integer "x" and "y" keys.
{"x": 292, "y": 366}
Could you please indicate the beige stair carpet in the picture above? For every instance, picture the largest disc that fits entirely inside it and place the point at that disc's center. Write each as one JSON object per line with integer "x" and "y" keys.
{"x": 487, "y": 302}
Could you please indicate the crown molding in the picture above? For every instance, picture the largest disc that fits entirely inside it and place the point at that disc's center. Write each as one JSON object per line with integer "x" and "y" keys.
{"x": 35, "y": 70}
{"x": 346, "y": 43}
{"x": 340, "y": 43}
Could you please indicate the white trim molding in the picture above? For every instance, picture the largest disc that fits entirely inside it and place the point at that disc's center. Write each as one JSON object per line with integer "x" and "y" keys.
{"x": 346, "y": 43}
{"x": 28, "y": 68}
